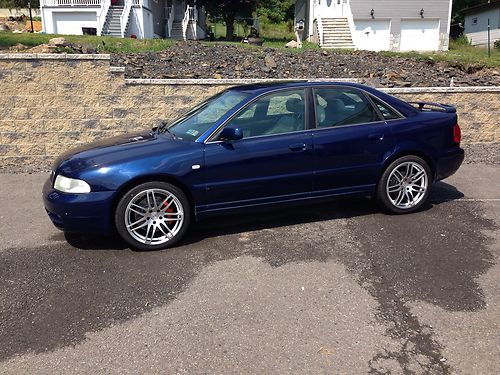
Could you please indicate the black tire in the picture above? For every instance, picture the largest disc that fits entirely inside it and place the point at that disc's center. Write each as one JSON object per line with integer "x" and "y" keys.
{"x": 121, "y": 212}
{"x": 383, "y": 196}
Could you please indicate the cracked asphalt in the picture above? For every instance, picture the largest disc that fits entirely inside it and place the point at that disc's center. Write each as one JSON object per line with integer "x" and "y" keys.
{"x": 332, "y": 288}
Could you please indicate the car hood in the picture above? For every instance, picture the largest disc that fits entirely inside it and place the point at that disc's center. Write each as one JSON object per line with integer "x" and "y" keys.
{"x": 114, "y": 150}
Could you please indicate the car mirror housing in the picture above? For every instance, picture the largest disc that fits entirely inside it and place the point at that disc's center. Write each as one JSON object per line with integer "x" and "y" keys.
{"x": 231, "y": 134}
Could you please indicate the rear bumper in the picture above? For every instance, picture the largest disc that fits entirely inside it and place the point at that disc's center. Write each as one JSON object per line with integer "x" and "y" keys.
{"x": 449, "y": 163}
{"x": 81, "y": 213}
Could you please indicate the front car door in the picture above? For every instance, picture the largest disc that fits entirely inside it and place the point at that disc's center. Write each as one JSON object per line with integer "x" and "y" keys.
{"x": 273, "y": 161}
{"x": 351, "y": 141}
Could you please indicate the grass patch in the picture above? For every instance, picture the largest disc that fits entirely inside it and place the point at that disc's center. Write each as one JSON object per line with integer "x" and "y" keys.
{"x": 458, "y": 54}
{"x": 268, "y": 31}
{"x": 103, "y": 44}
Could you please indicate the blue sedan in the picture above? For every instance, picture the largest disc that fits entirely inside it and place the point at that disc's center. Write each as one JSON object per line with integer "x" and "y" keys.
{"x": 255, "y": 145}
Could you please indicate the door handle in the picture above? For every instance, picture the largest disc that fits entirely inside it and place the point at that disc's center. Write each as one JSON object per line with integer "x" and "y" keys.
{"x": 376, "y": 137}
{"x": 298, "y": 147}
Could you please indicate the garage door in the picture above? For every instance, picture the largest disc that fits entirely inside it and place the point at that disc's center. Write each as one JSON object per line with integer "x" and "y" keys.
{"x": 373, "y": 35}
{"x": 419, "y": 35}
{"x": 72, "y": 23}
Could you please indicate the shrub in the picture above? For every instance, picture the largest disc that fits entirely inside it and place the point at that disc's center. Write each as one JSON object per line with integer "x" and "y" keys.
{"x": 497, "y": 44}
{"x": 462, "y": 40}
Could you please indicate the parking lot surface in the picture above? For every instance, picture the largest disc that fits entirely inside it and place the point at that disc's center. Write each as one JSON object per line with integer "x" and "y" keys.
{"x": 334, "y": 287}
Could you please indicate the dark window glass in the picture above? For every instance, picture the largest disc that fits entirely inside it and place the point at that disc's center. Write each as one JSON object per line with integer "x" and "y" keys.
{"x": 281, "y": 112}
{"x": 342, "y": 106}
{"x": 387, "y": 112}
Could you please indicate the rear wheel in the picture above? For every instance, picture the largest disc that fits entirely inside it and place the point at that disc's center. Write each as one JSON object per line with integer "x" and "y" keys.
{"x": 152, "y": 216}
{"x": 405, "y": 185}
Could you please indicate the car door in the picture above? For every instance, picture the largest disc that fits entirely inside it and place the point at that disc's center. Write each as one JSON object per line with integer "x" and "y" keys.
{"x": 351, "y": 140}
{"x": 273, "y": 161}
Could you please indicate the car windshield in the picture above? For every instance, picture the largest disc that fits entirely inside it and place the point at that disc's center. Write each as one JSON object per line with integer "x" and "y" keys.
{"x": 197, "y": 121}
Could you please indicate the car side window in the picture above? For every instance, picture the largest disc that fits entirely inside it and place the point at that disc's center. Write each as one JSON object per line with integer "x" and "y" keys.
{"x": 276, "y": 113}
{"x": 342, "y": 106}
{"x": 387, "y": 112}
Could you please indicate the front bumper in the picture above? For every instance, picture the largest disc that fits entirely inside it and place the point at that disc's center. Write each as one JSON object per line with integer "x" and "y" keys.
{"x": 449, "y": 163}
{"x": 81, "y": 213}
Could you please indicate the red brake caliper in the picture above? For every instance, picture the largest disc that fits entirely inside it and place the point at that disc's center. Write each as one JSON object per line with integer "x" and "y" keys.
{"x": 168, "y": 210}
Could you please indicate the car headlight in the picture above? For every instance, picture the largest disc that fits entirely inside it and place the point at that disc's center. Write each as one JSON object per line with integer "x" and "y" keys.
{"x": 71, "y": 185}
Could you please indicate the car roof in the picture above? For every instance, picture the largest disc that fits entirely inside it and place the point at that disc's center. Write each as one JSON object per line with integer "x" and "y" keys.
{"x": 260, "y": 88}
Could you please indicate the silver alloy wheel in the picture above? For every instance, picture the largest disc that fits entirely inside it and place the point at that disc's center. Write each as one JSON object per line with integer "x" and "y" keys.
{"x": 407, "y": 184}
{"x": 154, "y": 216}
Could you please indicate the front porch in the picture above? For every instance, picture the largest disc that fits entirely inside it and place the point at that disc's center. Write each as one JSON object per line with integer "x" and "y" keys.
{"x": 124, "y": 18}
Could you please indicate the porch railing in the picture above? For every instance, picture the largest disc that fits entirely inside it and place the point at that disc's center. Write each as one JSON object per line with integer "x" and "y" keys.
{"x": 71, "y": 3}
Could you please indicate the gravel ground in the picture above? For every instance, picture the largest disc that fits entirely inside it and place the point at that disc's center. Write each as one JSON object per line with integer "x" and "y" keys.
{"x": 482, "y": 153}
{"x": 198, "y": 60}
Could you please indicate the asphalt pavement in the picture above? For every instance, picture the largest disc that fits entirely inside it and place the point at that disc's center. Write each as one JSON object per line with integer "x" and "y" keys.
{"x": 337, "y": 288}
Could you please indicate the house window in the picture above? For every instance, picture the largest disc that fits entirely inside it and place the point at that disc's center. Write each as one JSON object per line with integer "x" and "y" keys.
{"x": 474, "y": 21}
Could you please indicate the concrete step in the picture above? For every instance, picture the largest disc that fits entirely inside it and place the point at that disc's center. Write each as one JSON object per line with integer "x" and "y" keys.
{"x": 346, "y": 46}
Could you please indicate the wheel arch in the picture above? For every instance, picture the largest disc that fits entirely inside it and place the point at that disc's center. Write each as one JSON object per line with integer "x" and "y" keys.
{"x": 407, "y": 152}
{"x": 149, "y": 178}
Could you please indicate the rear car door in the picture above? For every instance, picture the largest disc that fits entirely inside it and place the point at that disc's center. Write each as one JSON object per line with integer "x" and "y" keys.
{"x": 351, "y": 141}
{"x": 273, "y": 161}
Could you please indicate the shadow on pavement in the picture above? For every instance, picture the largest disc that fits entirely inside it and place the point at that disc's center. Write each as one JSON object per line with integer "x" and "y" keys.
{"x": 268, "y": 218}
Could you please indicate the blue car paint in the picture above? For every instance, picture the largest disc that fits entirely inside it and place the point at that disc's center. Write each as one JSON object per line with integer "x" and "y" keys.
{"x": 311, "y": 164}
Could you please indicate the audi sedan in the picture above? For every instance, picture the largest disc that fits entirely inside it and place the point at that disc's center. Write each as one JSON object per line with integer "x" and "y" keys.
{"x": 250, "y": 146}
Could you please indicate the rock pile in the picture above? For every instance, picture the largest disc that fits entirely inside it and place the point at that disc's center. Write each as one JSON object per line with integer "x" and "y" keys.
{"x": 198, "y": 60}
{"x": 55, "y": 45}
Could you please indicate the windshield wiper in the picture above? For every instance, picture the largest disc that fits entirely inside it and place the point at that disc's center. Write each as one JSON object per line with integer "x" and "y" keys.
{"x": 163, "y": 127}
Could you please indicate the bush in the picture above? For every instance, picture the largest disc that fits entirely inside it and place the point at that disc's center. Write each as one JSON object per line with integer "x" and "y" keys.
{"x": 497, "y": 44}
{"x": 462, "y": 40}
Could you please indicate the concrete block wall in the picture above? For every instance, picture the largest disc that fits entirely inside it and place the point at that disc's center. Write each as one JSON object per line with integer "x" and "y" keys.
{"x": 49, "y": 103}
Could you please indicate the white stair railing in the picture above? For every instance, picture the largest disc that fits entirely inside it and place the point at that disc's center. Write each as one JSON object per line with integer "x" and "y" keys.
{"x": 185, "y": 22}
{"x": 101, "y": 18}
{"x": 124, "y": 17}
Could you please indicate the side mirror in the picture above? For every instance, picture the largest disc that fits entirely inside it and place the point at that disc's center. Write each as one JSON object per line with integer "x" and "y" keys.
{"x": 229, "y": 134}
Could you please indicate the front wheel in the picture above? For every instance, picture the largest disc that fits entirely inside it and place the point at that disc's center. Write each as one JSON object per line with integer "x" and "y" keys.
{"x": 152, "y": 216}
{"x": 405, "y": 185}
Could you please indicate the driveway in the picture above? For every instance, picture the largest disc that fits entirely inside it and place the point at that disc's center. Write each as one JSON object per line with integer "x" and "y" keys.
{"x": 329, "y": 288}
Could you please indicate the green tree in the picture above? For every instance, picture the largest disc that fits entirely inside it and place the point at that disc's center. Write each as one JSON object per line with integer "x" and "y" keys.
{"x": 276, "y": 11}
{"x": 229, "y": 10}
{"x": 15, "y": 4}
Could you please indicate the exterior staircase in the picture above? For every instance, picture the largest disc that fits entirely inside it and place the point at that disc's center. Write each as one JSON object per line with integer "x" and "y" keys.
{"x": 177, "y": 32}
{"x": 336, "y": 33}
{"x": 112, "y": 25}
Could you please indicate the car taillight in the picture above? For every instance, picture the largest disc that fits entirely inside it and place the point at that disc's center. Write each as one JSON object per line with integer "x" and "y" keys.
{"x": 457, "y": 133}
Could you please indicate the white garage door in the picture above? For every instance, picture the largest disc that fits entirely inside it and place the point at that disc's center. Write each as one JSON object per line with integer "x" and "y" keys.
{"x": 72, "y": 23}
{"x": 419, "y": 35}
{"x": 373, "y": 35}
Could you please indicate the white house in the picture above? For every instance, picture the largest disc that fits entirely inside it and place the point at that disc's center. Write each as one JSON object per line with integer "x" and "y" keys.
{"x": 476, "y": 23}
{"x": 392, "y": 25}
{"x": 123, "y": 18}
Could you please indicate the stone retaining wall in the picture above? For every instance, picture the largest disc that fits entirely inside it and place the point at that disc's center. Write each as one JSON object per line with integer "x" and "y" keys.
{"x": 49, "y": 103}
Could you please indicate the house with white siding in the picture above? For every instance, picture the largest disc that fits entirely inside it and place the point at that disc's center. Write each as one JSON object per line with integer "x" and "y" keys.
{"x": 476, "y": 23}
{"x": 377, "y": 25}
{"x": 178, "y": 19}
